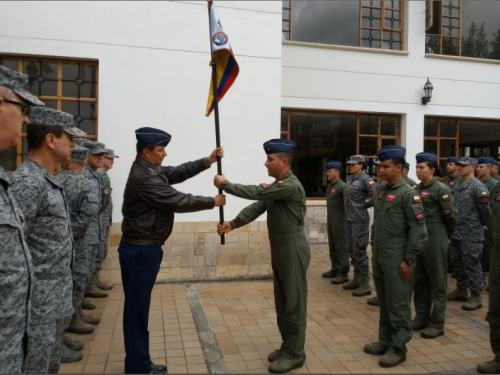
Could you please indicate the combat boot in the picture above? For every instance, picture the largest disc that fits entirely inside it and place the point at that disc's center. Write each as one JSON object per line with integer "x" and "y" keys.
{"x": 286, "y": 363}
{"x": 103, "y": 285}
{"x": 88, "y": 304}
{"x": 70, "y": 356}
{"x": 93, "y": 291}
{"x": 340, "y": 279}
{"x": 364, "y": 289}
{"x": 89, "y": 319}
{"x": 418, "y": 325}
{"x": 473, "y": 304}
{"x": 458, "y": 295}
{"x": 373, "y": 301}
{"x": 329, "y": 274}
{"x": 273, "y": 355}
{"x": 432, "y": 332}
{"x": 71, "y": 344}
{"x": 77, "y": 325}
{"x": 374, "y": 349}
{"x": 392, "y": 358}
{"x": 492, "y": 367}
{"x": 354, "y": 283}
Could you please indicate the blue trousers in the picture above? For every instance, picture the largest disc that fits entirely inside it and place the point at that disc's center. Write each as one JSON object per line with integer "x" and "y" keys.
{"x": 139, "y": 266}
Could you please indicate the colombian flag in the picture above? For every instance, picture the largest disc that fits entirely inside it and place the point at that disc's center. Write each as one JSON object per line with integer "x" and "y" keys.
{"x": 226, "y": 66}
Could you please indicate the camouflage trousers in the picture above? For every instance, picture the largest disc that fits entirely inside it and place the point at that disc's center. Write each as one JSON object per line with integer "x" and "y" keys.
{"x": 80, "y": 282}
{"x": 12, "y": 350}
{"x": 357, "y": 234}
{"x": 102, "y": 252}
{"x": 466, "y": 260}
{"x": 45, "y": 346}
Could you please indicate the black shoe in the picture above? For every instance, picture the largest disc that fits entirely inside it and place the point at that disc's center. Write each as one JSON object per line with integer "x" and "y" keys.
{"x": 329, "y": 274}
{"x": 158, "y": 369}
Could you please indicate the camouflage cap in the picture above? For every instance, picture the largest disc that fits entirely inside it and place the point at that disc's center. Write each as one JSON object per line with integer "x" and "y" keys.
{"x": 467, "y": 160}
{"x": 42, "y": 116}
{"x": 79, "y": 153}
{"x": 18, "y": 83}
{"x": 110, "y": 154}
{"x": 93, "y": 147}
{"x": 355, "y": 159}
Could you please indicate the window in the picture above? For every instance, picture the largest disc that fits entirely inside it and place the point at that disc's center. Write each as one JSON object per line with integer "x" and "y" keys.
{"x": 441, "y": 138}
{"x": 372, "y": 24}
{"x": 65, "y": 85}
{"x": 463, "y": 28}
{"x": 327, "y": 136}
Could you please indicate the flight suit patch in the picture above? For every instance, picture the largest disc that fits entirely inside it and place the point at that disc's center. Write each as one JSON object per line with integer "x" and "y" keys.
{"x": 264, "y": 185}
{"x": 419, "y": 216}
{"x": 446, "y": 197}
{"x": 391, "y": 198}
{"x": 447, "y": 212}
{"x": 381, "y": 194}
{"x": 497, "y": 197}
{"x": 372, "y": 185}
{"x": 280, "y": 183}
{"x": 417, "y": 199}
{"x": 333, "y": 191}
{"x": 424, "y": 194}
{"x": 451, "y": 183}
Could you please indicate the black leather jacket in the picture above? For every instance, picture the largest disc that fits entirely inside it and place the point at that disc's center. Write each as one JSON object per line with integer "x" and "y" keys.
{"x": 150, "y": 201}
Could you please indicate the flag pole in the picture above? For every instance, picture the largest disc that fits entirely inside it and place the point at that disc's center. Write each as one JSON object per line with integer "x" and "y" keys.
{"x": 216, "y": 114}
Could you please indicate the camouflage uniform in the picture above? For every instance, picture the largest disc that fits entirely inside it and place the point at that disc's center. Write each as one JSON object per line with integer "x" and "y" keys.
{"x": 95, "y": 179}
{"x": 84, "y": 210}
{"x": 50, "y": 241}
{"x": 472, "y": 199}
{"x": 358, "y": 190}
{"x": 106, "y": 212}
{"x": 336, "y": 227}
{"x": 16, "y": 272}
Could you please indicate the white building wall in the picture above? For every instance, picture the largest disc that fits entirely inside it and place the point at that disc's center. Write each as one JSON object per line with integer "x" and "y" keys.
{"x": 361, "y": 80}
{"x": 153, "y": 71}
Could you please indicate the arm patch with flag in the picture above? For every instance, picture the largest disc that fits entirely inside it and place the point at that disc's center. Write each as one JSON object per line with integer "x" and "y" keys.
{"x": 226, "y": 67}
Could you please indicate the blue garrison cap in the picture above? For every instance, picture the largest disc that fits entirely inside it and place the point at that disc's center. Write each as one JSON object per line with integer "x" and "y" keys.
{"x": 334, "y": 165}
{"x": 452, "y": 159}
{"x": 486, "y": 160}
{"x": 407, "y": 165}
{"x": 152, "y": 136}
{"x": 423, "y": 157}
{"x": 391, "y": 152}
{"x": 274, "y": 146}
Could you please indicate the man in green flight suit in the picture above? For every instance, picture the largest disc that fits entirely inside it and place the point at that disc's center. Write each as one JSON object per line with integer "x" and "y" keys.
{"x": 494, "y": 170}
{"x": 399, "y": 235}
{"x": 336, "y": 224}
{"x": 408, "y": 180}
{"x": 285, "y": 203}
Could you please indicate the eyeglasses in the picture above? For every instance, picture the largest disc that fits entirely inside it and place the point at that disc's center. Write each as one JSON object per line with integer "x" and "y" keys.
{"x": 25, "y": 109}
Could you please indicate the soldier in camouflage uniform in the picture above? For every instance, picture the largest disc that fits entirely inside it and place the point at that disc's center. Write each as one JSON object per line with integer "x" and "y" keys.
{"x": 336, "y": 224}
{"x": 493, "y": 317}
{"x": 483, "y": 171}
{"x": 453, "y": 177}
{"x": 429, "y": 278}
{"x": 399, "y": 237}
{"x": 408, "y": 180}
{"x": 49, "y": 237}
{"x": 16, "y": 268}
{"x": 84, "y": 208}
{"x": 107, "y": 211}
{"x": 285, "y": 203}
{"x": 357, "y": 194}
{"x": 473, "y": 202}
{"x": 94, "y": 162}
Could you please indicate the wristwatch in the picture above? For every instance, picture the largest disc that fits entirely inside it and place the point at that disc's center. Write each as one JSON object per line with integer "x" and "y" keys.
{"x": 409, "y": 261}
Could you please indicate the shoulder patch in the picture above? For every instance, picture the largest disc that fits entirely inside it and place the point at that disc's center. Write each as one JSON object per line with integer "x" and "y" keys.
{"x": 484, "y": 194}
{"x": 446, "y": 197}
{"x": 381, "y": 194}
{"x": 447, "y": 212}
{"x": 497, "y": 197}
{"x": 264, "y": 185}
{"x": 484, "y": 200}
{"x": 371, "y": 182}
{"x": 280, "y": 183}
{"x": 416, "y": 199}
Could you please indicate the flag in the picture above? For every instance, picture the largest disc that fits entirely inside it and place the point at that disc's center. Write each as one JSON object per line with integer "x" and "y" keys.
{"x": 226, "y": 66}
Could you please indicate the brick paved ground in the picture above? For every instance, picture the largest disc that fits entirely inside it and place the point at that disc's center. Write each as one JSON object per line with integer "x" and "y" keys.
{"x": 242, "y": 318}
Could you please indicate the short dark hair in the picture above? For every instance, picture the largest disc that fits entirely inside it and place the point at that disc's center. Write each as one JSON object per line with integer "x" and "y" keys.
{"x": 285, "y": 155}
{"x": 36, "y": 135}
{"x": 438, "y": 172}
{"x": 398, "y": 161}
{"x": 142, "y": 146}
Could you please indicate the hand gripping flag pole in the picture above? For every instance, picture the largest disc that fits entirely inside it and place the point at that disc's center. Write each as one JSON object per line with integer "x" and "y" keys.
{"x": 224, "y": 71}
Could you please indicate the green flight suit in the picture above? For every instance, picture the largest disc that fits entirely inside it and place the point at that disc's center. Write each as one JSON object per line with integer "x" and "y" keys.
{"x": 410, "y": 182}
{"x": 285, "y": 203}
{"x": 490, "y": 184}
{"x": 494, "y": 300}
{"x": 496, "y": 177}
{"x": 429, "y": 275}
{"x": 336, "y": 227}
{"x": 399, "y": 233}
{"x": 452, "y": 181}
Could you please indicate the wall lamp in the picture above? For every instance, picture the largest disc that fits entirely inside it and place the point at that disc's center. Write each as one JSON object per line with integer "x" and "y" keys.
{"x": 428, "y": 92}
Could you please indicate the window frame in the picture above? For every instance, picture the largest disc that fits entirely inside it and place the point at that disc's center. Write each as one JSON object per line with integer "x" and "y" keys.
{"x": 438, "y": 137}
{"x": 439, "y": 19}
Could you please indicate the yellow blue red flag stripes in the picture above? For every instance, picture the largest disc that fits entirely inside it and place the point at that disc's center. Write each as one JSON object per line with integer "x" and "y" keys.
{"x": 227, "y": 68}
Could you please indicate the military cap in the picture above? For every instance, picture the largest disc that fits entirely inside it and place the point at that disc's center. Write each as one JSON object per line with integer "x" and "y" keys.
{"x": 486, "y": 160}
{"x": 407, "y": 165}
{"x": 391, "y": 152}
{"x": 334, "y": 165}
{"x": 93, "y": 147}
{"x": 152, "y": 136}
{"x": 110, "y": 154}
{"x": 42, "y": 116}
{"x": 452, "y": 159}
{"x": 467, "y": 160}
{"x": 423, "y": 157}
{"x": 274, "y": 146}
{"x": 79, "y": 153}
{"x": 18, "y": 83}
{"x": 355, "y": 159}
